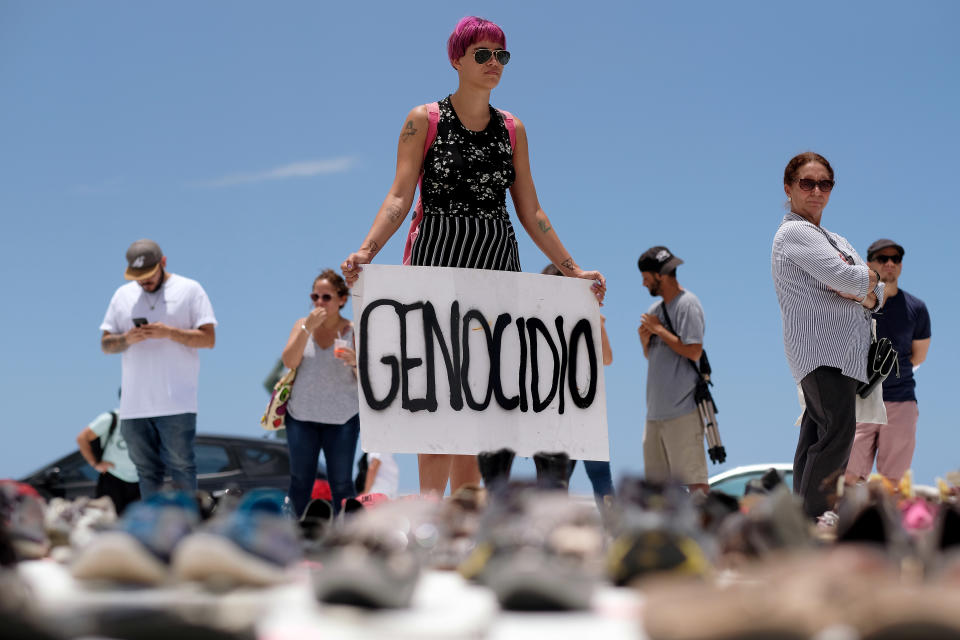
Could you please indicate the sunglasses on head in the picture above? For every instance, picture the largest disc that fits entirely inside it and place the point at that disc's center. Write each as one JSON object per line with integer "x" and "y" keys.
{"x": 483, "y": 54}
{"x": 884, "y": 259}
{"x": 326, "y": 297}
{"x": 807, "y": 184}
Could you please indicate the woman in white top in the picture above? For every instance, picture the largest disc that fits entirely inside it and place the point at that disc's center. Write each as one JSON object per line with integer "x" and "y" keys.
{"x": 322, "y": 413}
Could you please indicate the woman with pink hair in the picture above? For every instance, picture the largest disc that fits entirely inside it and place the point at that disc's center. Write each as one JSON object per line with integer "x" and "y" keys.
{"x": 476, "y": 155}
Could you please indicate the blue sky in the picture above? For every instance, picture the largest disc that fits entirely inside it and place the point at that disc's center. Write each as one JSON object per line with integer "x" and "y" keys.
{"x": 255, "y": 141}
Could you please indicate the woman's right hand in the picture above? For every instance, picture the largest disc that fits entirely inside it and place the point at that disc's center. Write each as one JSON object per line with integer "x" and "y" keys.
{"x": 351, "y": 266}
{"x": 315, "y": 319}
{"x": 103, "y": 466}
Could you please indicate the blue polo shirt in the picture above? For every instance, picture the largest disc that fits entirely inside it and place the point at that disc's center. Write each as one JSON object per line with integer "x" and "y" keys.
{"x": 903, "y": 319}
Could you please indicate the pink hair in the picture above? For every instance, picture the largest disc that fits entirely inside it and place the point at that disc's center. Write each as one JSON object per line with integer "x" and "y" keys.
{"x": 473, "y": 29}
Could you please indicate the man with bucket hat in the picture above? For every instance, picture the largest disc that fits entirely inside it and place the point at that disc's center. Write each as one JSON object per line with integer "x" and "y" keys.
{"x": 157, "y": 322}
{"x": 904, "y": 321}
{"x": 671, "y": 333}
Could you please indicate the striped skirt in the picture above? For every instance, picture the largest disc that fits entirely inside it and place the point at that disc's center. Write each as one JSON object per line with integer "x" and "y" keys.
{"x": 466, "y": 242}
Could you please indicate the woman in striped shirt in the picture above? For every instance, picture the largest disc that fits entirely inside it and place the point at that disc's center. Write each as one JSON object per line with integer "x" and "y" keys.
{"x": 472, "y": 161}
{"x": 826, "y": 293}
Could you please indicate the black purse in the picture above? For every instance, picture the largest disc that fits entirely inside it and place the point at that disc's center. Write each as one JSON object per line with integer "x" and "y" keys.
{"x": 881, "y": 359}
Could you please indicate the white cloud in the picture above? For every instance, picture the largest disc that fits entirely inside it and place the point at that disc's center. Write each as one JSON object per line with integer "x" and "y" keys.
{"x": 305, "y": 169}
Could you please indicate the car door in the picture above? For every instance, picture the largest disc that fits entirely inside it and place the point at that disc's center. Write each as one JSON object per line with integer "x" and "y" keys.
{"x": 217, "y": 467}
{"x": 264, "y": 465}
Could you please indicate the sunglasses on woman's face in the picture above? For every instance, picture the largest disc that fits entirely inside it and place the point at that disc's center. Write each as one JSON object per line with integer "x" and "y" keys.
{"x": 807, "y": 184}
{"x": 885, "y": 259}
{"x": 326, "y": 297}
{"x": 482, "y": 55}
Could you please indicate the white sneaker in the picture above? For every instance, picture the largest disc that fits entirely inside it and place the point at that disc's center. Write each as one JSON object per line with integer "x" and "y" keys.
{"x": 828, "y": 520}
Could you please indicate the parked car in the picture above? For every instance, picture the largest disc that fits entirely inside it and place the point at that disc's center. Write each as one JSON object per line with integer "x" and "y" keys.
{"x": 734, "y": 481}
{"x": 222, "y": 461}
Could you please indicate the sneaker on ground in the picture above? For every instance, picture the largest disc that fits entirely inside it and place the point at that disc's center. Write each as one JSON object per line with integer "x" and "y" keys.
{"x": 538, "y": 550}
{"x": 21, "y": 520}
{"x": 75, "y": 522}
{"x": 828, "y": 520}
{"x": 373, "y": 558}
{"x": 139, "y": 550}
{"x": 253, "y": 545}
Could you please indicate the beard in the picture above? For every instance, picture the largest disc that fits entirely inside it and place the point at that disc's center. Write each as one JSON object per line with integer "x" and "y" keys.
{"x": 163, "y": 276}
{"x": 654, "y": 289}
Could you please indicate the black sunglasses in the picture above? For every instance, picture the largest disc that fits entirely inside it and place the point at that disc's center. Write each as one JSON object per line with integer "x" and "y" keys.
{"x": 807, "y": 184}
{"x": 325, "y": 297}
{"x": 884, "y": 259}
{"x": 482, "y": 55}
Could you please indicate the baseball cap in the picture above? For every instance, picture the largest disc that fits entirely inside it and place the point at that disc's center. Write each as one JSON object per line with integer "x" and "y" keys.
{"x": 658, "y": 260}
{"x": 883, "y": 243}
{"x": 143, "y": 259}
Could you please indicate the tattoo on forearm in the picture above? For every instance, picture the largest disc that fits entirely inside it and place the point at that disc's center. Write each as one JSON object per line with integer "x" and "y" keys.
{"x": 371, "y": 246}
{"x": 543, "y": 225}
{"x": 408, "y": 131}
{"x": 115, "y": 343}
{"x": 394, "y": 213}
{"x": 567, "y": 264}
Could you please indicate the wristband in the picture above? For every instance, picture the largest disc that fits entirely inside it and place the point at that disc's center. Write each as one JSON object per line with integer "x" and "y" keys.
{"x": 303, "y": 325}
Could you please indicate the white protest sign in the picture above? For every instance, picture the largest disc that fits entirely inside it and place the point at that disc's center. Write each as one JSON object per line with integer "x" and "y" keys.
{"x": 469, "y": 360}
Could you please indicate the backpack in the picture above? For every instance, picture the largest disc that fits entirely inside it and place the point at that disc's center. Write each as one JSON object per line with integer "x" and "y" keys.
{"x": 433, "y": 117}
{"x": 100, "y": 444}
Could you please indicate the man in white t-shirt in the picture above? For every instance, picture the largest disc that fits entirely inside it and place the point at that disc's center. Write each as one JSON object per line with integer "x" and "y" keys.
{"x": 158, "y": 322}
{"x": 118, "y": 475}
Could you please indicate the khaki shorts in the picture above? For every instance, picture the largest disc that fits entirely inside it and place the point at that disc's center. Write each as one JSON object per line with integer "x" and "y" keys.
{"x": 673, "y": 449}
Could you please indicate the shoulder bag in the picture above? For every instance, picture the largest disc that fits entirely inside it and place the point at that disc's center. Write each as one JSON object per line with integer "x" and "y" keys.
{"x": 276, "y": 413}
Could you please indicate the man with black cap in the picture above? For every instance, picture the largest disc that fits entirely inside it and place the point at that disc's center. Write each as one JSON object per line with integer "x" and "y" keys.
{"x": 904, "y": 321}
{"x": 673, "y": 436}
{"x": 157, "y": 322}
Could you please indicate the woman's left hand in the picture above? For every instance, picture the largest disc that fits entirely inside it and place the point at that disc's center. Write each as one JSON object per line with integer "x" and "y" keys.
{"x": 349, "y": 356}
{"x": 599, "y": 284}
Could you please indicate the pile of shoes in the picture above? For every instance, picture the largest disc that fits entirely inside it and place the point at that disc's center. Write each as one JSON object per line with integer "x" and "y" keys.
{"x": 530, "y": 545}
{"x": 140, "y": 548}
{"x": 162, "y": 539}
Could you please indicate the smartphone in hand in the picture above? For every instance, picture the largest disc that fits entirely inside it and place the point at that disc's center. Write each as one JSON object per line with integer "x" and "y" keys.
{"x": 139, "y": 322}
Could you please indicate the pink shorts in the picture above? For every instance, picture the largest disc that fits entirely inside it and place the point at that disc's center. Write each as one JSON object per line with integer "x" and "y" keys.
{"x": 892, "y": 444}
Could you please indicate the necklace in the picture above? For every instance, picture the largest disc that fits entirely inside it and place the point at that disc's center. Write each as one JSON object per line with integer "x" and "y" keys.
{"x": 152, "y": 303}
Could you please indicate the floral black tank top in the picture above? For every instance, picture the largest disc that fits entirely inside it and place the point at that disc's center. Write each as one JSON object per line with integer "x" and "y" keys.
{"x": 465, "y": 180}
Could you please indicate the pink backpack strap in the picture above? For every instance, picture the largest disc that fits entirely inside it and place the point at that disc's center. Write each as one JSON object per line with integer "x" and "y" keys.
{"x": 511, "y": 125}
{"x": 433, "y": 117}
